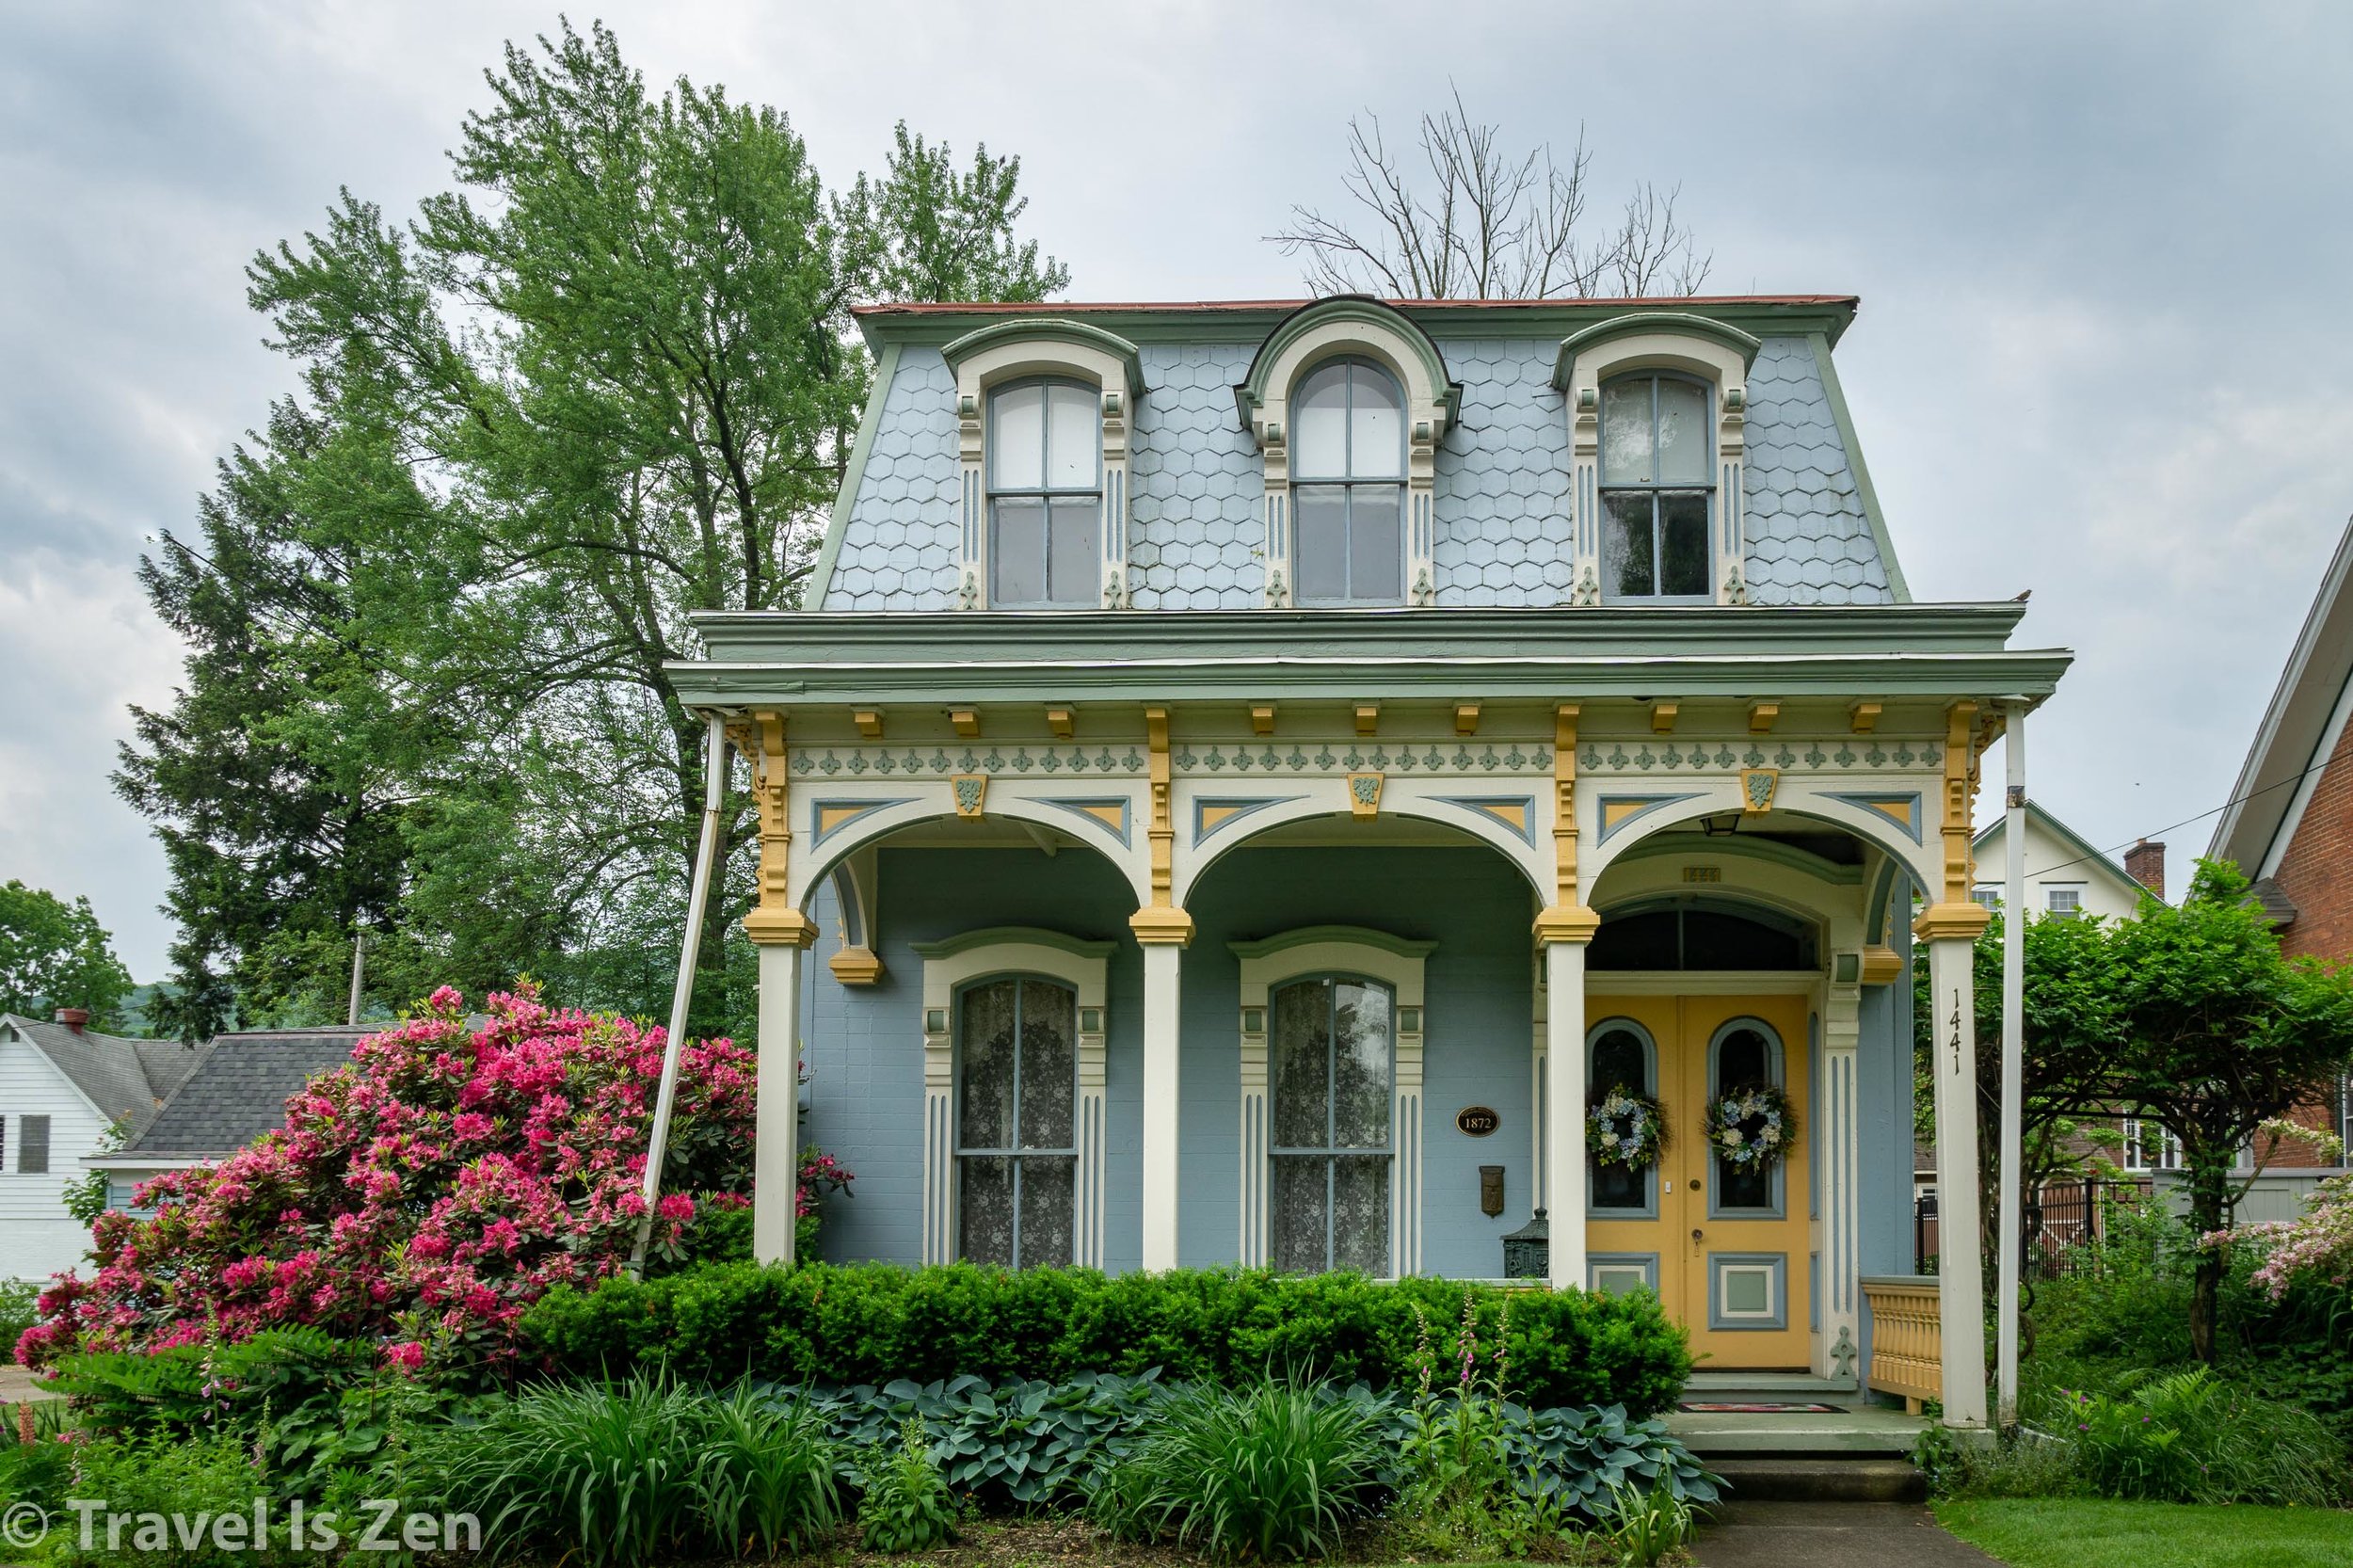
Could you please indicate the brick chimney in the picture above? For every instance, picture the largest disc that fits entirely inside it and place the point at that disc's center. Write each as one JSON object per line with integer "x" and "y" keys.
{"x": 74, "y": 1019}
{"x": 2145, "y": 864}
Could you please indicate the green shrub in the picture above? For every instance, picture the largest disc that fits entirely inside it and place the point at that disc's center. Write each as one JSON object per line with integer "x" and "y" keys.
{"x": 876, "y": 1323}
{"x": 17, "y": 1296}
{"x": 161, "y": 1476}
{"x": 1645, "y": 1524}
{"x": 2191, "y": 1437}
{"x": 212, "y": 1384}
{"x": 1268, "y": 1473}
{"x": 905, "y": 1504}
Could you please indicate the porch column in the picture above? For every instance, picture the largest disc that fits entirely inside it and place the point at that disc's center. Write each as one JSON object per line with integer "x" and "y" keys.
{"x": 1564, "y": 933}
{"x": 1840, "y": 1151}
{"x": 1951, "y": 931}
{"x": 1162, "y": 1088}
{"x": 775, "y": 1150}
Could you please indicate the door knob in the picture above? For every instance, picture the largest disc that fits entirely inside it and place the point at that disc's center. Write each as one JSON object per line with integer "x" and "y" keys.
{"x": 1696, "y": 1233}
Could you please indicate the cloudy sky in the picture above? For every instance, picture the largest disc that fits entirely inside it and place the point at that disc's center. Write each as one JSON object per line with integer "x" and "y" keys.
{"x": 2105, "y": 349}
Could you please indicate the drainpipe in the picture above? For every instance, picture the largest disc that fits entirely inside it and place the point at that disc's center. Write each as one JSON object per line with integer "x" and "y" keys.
{"x": 2013, "y": 1057}
{"x": 690, "y": 949}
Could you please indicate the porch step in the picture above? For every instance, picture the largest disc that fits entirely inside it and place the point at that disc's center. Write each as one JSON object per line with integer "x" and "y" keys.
{"x": 1700, "y": 1385}
{"x": 1857, "y": 1479}
{"x": 1853, "y": 1429}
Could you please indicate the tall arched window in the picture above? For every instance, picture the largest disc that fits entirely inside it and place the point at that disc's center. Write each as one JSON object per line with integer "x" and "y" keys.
{"x": 1332, "y": 1070}
{"x": 1658, "y": 462}
{"x": 1045, "y": 494}
{"x": 1744, "y": 1055}
{"x": 1621, "y": 1057}
{"x": 1016, "y": 1093}
{"x": 1348, "y": 483}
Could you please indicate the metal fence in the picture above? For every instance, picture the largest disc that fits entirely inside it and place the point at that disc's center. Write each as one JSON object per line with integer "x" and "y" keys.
{"x": 2061, "y": 1221}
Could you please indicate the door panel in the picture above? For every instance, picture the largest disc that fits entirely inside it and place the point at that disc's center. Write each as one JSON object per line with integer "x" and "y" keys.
{"x": 1738, "y": 1280}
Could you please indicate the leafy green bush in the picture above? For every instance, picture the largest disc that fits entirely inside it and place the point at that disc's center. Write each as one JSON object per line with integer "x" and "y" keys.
{"x": 206, "y": 1384}
{"x": 873, "y": 1323}
{"x": 1270, "y": 1473}
{"x": 904, "y": 1505}
{"x": 1645, "y": 1524}
{"x": 2191, "y": 1437}
{"x": 162, "y": 1475}
{"x": 17, "y": 1296}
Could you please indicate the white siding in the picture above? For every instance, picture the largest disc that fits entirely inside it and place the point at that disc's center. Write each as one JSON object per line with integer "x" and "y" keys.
{"x": 37, "y": 1238}
{"x": 2102, "y": 887}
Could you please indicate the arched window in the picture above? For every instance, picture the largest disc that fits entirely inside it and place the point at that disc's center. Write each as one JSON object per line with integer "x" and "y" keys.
{"x": 1016, "y": 1094}
{"x": 1620, "y": 1057}
{"x": 1331, "y": 1069}
{"x": 1348, "y": 483}
{"x": 1045, "y": 494}
{"x": 1658, "y": 462}
{"x": 1745, "y": 1054}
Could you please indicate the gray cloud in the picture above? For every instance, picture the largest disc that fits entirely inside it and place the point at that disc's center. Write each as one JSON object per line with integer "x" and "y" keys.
{"x": 2103, "y": 354}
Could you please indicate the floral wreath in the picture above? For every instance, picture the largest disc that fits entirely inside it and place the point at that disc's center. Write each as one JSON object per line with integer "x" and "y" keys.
{"x": 1752, "y": 1128}
{"x": 1625, "y": 1128}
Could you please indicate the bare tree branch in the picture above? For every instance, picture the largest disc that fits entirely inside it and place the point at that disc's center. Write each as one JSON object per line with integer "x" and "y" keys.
{"x": 1473, "y": 222}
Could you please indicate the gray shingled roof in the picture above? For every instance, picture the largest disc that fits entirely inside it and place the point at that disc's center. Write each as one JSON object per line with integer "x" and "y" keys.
{"x": 239, "y": 1088}
{"x": 127, "y": 1080}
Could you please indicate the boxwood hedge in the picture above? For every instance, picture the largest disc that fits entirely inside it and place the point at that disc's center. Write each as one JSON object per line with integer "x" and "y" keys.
{"x": 879, "y": 1323}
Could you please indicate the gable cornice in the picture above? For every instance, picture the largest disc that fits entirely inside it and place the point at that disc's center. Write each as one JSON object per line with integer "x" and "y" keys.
{"x": 1680, "y": 323}
{"x": 1250, "y": 395}
{"x": 1047, "y": 329}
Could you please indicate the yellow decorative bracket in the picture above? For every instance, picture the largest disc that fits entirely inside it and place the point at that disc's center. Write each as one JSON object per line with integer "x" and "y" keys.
{"x": 1566, "y": 920}
{"x": 773, "y": 921}
{"x": 1160, "y": 921}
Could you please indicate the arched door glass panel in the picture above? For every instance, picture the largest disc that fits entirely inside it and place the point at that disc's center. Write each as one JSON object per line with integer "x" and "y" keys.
{"x": 1330, "y": 1067}
{"x": 1747, "y": 1057}
{"x": 1016, "y": 1151}
{"x": 1621, "y": 1059}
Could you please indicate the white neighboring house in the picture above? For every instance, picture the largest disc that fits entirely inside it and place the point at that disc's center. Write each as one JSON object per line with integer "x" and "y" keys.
{"x": 2065, "y": 875}
{"x": 62, "y": 1086}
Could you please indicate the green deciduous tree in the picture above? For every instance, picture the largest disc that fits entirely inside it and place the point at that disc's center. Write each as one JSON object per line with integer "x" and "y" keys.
{"x": 2214, "y": 1033}
{"x": 56, "y": 954}
{"x": 608, "y": 379}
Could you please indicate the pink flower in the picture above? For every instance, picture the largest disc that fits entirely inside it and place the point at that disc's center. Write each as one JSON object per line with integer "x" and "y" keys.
{"x": 409, "y": 1357}
{"x": 678, "y": 1207}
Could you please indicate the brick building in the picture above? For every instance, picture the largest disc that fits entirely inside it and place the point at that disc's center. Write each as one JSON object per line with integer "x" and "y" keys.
{"x": 2291, "y": 829}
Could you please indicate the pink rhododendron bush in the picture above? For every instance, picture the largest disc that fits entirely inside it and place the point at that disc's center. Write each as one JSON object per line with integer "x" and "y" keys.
{"x": 422, "y": 1195}
{"x": 2315, "y": 1247}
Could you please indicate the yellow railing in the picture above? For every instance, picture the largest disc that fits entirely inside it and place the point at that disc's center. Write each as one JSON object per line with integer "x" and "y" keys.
{"x": 1907, "y": 1339}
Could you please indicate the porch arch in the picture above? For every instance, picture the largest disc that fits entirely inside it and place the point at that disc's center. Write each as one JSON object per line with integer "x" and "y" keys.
{"x": 1212, "y": 825}
{"x": 1109, "y": 823}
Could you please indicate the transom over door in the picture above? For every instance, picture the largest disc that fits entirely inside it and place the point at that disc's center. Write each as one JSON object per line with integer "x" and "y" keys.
{"x": 1727, "y": 1248}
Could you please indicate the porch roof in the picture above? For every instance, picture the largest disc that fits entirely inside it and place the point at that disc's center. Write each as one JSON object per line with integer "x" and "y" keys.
{"x": 784, "y": 658}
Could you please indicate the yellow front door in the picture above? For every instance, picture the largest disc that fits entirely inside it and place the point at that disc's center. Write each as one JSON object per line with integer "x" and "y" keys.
{"x": 1726, "y": 1249}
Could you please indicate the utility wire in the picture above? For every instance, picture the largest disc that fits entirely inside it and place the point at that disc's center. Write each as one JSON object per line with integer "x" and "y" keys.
{"x": 2239, "y": 800}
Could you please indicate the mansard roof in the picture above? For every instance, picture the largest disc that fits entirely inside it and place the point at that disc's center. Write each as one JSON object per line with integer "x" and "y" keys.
{"x": 1814, "y": 530}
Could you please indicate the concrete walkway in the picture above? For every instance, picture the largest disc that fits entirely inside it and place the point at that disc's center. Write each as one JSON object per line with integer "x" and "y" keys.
{"x": 16, "y": 1383}
{"x": 1832, "y": 1535}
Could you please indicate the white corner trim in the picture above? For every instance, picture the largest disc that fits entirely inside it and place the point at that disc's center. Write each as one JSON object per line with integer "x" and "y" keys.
{"x": 1374, "y": 956}
{"x": 1010, "y": 952}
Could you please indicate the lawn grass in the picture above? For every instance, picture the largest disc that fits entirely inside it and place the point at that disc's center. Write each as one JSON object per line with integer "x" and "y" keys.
{"x": 2097, "y": 1533}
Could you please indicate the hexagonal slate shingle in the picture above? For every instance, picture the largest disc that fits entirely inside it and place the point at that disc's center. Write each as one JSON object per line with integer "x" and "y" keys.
{"x": 1503, "y": 477}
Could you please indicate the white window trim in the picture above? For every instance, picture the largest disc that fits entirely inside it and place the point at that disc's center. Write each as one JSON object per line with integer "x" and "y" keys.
{"x": 1395, "y": 961}
{"x": 1651, "y": 341}
{"x": 1043, "y": 348}
{"x": 959, "y": 961}
{"x": 2168, "y": 1144}
{"x": 1367, "y": 329}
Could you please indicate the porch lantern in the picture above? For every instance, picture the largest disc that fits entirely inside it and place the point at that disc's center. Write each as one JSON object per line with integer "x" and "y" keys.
{"x": 1527, "y": 1250}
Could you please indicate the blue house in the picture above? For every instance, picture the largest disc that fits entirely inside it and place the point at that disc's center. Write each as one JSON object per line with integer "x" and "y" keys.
{"x": 1253, "y": 781}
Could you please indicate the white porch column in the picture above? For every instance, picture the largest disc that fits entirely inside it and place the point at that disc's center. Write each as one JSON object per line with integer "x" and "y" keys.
{"x": 1841, "y": 1283}
{"x": 1951, "y": 932}
{"x": 2014, "y": 1064}
{"x": 1162, "y": 1084}
{"x": 1565, "y": 932}
{"x": 775, "y": 1150}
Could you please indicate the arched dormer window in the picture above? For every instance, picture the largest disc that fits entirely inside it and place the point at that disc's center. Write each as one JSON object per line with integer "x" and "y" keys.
{"x": 1348, "y": 399}
{"x": 1043, "y": 408}
{"x": 1348, "y": 485}
{"x": 1045, "y": 494}
{"x": 1657, "y": 413}
{"x": 1658, "y": 488}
